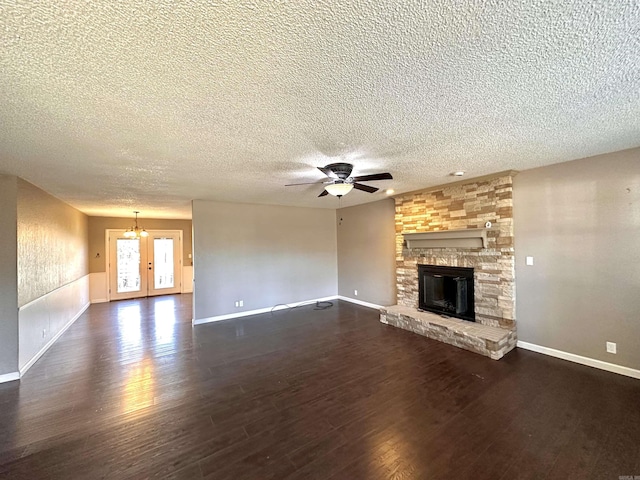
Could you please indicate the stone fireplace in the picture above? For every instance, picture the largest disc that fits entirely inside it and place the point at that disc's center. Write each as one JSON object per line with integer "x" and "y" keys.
{"x": 469, "y": 225}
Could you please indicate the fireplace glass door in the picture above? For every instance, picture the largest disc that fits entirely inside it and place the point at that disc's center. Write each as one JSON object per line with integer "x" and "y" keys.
{"x": 446, "y": 290}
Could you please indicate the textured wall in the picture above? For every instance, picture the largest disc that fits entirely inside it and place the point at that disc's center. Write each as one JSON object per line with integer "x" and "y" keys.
{"x": 261, "y": 254}
{"x": 580, "y": 221}
{"x": 8, "y": 275}
{"x": 52, "y": 243}
{"x": 366, "y": 252}
{"x": 461, "y": 206}
{"x": 98, "y": 225}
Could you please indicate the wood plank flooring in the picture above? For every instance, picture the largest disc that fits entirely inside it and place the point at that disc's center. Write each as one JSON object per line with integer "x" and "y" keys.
{"x": 131, "y": 390}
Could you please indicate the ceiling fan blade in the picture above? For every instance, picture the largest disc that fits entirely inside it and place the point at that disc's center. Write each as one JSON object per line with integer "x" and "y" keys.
{"x": 365, "y": 188}
{"x": 327, "y": 172}
{"x": 324, "y": 192}
{"x": 306, "y": 183}
{"x": 375, "y": 176}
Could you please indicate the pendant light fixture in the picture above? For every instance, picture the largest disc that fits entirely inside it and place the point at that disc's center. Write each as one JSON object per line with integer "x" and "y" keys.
{"x": 135, "y": 231}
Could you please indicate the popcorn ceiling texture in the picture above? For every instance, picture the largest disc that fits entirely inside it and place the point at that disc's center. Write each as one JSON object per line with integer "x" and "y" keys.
{"x": 115, "y": 106}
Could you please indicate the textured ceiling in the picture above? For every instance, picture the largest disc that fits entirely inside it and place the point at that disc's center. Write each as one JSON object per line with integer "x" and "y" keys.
{"x": 116, "y": 106}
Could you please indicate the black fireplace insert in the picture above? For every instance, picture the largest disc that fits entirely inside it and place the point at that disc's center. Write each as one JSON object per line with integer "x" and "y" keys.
{"x": 446, "y": 290}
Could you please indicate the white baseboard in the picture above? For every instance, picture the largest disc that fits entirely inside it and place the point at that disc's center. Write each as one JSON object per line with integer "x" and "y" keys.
{"x": 200, "y": 321}
{"x": 360, "y": 302}
{"x": 37, "y": 356}
{"x": 9, "y": 377}
{"x": 590, "y": 362}
{"x": 99, "y": 300}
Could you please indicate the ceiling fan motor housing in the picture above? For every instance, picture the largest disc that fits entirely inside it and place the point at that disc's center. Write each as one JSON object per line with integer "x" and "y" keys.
{"x": 341, "y": 170}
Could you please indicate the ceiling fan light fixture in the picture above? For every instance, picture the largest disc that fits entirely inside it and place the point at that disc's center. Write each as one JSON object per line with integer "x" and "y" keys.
{"x": 339, "y": 189}
{"x": 341, "y": 182}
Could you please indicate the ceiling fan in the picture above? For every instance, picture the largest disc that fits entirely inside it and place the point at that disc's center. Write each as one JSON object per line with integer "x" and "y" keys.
{"x": 340, "y": 182}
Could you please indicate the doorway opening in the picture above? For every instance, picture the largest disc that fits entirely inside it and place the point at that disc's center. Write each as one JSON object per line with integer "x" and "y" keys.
{"x": 144, "y": 266}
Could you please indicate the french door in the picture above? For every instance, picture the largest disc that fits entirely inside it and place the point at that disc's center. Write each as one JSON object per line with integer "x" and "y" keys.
{"x": 146, "y": 266}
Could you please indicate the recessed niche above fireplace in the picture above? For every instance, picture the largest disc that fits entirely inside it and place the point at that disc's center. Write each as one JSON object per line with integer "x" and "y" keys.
{"x": 446, "y": 290}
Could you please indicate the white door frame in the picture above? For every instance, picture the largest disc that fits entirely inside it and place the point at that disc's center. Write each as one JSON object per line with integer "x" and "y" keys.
{"x": 122, "y": 230}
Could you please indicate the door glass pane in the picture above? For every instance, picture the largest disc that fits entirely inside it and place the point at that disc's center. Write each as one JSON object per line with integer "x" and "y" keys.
{"x": 163, "y": 263}
{"x": 128, "y": 264}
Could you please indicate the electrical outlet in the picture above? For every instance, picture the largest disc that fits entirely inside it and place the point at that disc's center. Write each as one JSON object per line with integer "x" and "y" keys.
{"x": 241, "y": 302}
{"x": 355, "y": 292}
{"x": 44, "y": 333}
{"x": 612, "y": 347}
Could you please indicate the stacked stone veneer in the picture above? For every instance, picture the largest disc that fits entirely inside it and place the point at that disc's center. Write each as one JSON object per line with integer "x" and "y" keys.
{"x": 455, "y": 207}
{"x": 492, "y": 342}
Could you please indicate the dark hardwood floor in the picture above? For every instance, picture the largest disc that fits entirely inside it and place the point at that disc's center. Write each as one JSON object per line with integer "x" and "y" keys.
{"x": 131, "y": 390}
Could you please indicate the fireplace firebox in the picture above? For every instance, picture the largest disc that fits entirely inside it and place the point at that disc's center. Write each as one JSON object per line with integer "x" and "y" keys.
{"x": 446, "y": 290}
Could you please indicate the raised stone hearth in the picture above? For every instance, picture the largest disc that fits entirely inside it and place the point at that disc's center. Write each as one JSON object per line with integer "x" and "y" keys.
{"x": 447, "y": 226}
{"x": 492, "y": 342}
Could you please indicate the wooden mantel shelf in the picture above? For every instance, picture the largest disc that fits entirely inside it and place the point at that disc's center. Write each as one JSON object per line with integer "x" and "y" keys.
{"x": 467, "y": 238}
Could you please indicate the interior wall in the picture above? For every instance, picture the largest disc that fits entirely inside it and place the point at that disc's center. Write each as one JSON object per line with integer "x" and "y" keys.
{"x": 366, "y": 252}
{"x": 580, "y": 221}
{"x": 8, "y": 275}
{"x": 262, "y": 254}
{"x": 98, "y": 225}
{"x": 52, "y": 243}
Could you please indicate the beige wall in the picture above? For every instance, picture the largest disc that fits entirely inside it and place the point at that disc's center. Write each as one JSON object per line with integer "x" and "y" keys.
{"x": 52, "y": 243}
{"x": 261, "y": 254}
{"x": 98, "y": 225}
{"x": 580, "y": 221}
{"x": 366, "y": 252}
{"x": 8, "y": 275}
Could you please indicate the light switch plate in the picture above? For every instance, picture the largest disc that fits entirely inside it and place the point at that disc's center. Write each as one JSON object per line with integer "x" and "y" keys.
{"x": 529, "y": 260}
